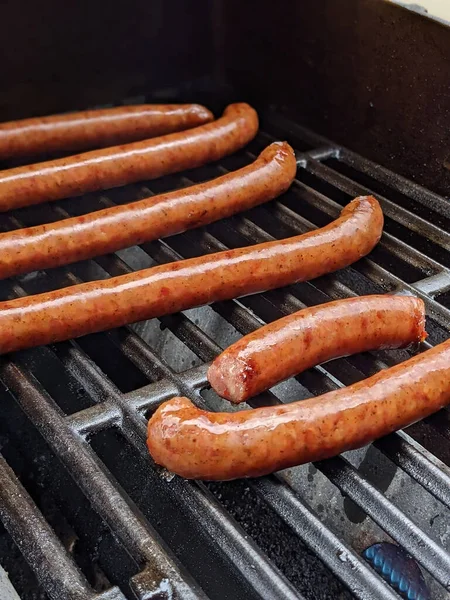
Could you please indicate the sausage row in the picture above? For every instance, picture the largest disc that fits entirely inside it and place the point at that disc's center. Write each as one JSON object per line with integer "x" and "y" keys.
{"x": 120, "y": 165}
{"x": 100, "y": 305}
{"x": 97, "y": 128}
{"x": 115, "y": 228}
{"x": 190, "y": 442}
{"x": 197, "y": 444}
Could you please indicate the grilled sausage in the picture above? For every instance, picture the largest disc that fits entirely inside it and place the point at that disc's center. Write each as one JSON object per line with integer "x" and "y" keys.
{"x": 313, "y": 336}
{"x": 111, "y": 229}
{"x": 197, "y": 444}
{"x": 119, "y": 165}
{"x": 97, "y": 128}
{"x": 165, "y": 289}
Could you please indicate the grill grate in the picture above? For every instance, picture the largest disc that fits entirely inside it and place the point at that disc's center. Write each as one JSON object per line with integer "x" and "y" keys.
{"x": 85, "y": 403}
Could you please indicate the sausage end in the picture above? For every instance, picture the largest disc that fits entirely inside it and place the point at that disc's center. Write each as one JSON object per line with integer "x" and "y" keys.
{"x": 203, "y": 114}
{"x": 227, "y": 377}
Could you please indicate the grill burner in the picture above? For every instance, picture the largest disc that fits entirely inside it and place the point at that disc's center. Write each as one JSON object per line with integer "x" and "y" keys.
{"x": 94, "y": 518}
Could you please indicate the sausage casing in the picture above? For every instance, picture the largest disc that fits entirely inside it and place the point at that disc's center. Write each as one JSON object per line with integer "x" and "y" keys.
{"x": 119, "y": 165}
{"x": 165, "y": 289}
{"x": 197, "y": 444}
{"x": 115, "y": 228}
{"x": 97, "y": 128}
{"x": 312, "y": 336}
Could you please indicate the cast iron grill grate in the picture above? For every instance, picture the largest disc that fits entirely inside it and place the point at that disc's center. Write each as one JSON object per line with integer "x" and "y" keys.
{"x": 79, "y": 495}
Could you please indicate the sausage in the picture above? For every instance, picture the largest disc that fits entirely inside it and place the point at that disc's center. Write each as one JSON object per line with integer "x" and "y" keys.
{"x": 312, "y": 336}
{"x": 119, "y": 165}
{"x": 111, "y": 229}
{"x": 198, "y": 444}
{"x": 97, "y": 128}
{"x": 165, "y": 289}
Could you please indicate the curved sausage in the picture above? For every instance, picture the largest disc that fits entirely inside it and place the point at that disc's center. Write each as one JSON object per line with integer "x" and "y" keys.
{"x": 119, "y": 165}
{"x": 97, "y": 128}
{"x": 165, "y": 289}
{"x": 111, "y": 229}
{"x": 197, "y": 444}
{"x": 312, "y": 336}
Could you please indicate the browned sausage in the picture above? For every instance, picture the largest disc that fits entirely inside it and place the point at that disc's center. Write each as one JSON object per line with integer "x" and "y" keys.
{"x": 99, "y": 305}
{"x": 97, "y": 128}
{"x": 197, "y": 444}
{"x": 120, "y": 165}
{"x": 111, "y": 229}
{"x": 313, "y": 336}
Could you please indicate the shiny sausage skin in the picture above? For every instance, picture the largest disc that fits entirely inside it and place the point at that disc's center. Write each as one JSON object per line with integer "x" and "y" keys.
{"x": 165, "y": 289}
{"x": 119, "y": 165}
{"x": 197, "y": 444}
{"x": 111, "y": 229}
{"x": 312, "y": 336}
{"x": 97, "y": 128}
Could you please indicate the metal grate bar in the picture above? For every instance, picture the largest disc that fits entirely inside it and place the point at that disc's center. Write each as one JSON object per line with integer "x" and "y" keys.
{"x": 331, "y": 208}
{"x": 268, "y": 583}
{"x": 341, "y": 559}
{"x": 95, "y": 418}
{"x": 40, "y": 546}
{"x": 436, "y": 284}
{"x": 430, "y": 472}
{"x": 396, "y": 182}
{"x": 280, "y": 125}
{"x": 205, "y": 509}
{"x": 321, "y": 153}
{"x": 78, "y": 364}
{"x": 432, "y": 556}
{"x": 395, "y": 212}
{"x": 121, "y": 515}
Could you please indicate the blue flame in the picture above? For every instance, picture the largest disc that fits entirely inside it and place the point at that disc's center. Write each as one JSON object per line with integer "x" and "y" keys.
{"x": 399, "y": 569}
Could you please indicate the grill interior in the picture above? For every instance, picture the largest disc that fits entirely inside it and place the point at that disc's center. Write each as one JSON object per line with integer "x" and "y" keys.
{"x": 80, "y": 500}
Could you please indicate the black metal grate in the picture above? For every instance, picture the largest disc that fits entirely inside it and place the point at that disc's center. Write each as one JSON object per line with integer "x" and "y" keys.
{"x": 79, "y": 495}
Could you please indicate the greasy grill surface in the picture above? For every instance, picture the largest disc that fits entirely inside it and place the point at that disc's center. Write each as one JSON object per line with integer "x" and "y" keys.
{"x": 79, "y": 495}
